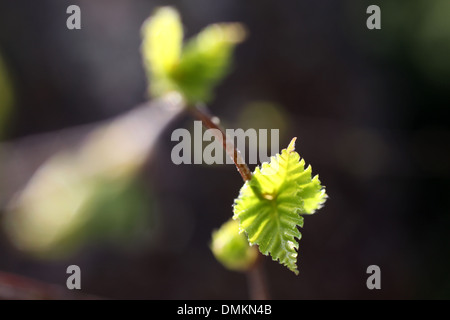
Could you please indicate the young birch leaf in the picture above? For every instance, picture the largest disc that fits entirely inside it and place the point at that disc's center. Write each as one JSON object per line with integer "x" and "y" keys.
{"x": 206, "y": 59}
{"x": 162, "y": 40}
{"x": 193, "y": 69}
{"x": 270, "y": 205}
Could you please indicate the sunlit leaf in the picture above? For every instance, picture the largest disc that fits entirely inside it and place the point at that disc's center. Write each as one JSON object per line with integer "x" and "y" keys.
{"x": 162, "y": 43}
{"x": 192, "y": 70}
{"x": 270, "y": 205}
{"x": 206, "y": 59}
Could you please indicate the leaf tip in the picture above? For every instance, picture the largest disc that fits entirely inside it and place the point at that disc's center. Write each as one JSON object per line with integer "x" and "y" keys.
{"x": 291, "y": 146}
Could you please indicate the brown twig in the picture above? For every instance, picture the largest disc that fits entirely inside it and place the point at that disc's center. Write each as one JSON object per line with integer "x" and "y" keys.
{"x": 255, "y": 276}
{"x": 202, "y": 114}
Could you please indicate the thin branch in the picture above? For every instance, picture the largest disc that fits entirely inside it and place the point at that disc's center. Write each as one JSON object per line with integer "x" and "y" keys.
{"x": 255, "y": 276}
{"x": 202, "y": 114}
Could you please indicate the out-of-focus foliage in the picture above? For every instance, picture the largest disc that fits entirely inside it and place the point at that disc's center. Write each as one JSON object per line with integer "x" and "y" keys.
{"x": 194, "y": 69}
{"x": 231, "y": 248}
{"x": 206, "y": 60}
{"x": 161, "y": 49}
{"x": 264, "y": 115}
{"x": 63, "y": 208}
{"x": 6, "y": 95}
{"x": 415, "y": 32}
{"x": 90, "y": 192}
{"x": 432, "y": 41}
{"x": 270, "y": 205}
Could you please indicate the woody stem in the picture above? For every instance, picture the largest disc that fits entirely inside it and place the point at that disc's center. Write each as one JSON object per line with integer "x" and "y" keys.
{"x": 256, "y": 279}
{"x": 202, "y": 114}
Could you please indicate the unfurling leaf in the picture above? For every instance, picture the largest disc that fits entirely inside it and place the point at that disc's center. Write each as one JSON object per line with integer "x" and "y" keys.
{"x": 162, "y": 40}
{"x": 270, "y": 205}
{"x": 192, "y": 70}
{"x": 231, "y": 248}
{"x": 206, "y": 59}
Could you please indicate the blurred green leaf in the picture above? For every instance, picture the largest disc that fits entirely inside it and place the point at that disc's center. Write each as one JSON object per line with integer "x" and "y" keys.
{"x": 90, "y": 193}
{"x": 65, "y": 207}
{"x": 161, "y": 48}
{"x": 193, "y": 70}
{"x": 231, "y": 248}
{"x": 206, "y": 59}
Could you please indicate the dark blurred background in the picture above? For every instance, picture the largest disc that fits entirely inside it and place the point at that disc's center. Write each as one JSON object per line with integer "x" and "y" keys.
{"x": 370, "y": 109}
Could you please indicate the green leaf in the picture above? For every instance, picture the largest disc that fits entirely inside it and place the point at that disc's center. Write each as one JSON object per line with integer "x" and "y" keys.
{"x": 270, "y": 205}
{"x": 231, "y": 247}
{"x": 193, "y": 70}
{"x": 206, "y": 59}
{"x": 161, "y": 48}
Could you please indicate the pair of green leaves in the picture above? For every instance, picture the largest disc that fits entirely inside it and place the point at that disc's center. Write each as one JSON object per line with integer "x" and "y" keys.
{"x": 192, "y": 69}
